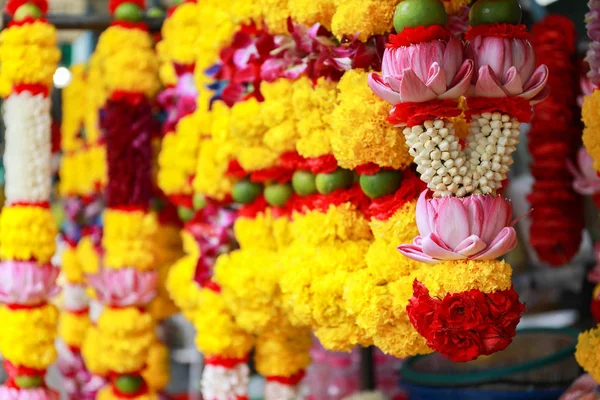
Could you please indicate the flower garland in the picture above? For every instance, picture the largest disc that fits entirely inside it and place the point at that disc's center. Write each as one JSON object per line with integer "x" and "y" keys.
{"x": 553, "y": 142}
{"x": 476, "y": 315}
{"x": 29, "y": 57}
{"x": 126, "y": 280}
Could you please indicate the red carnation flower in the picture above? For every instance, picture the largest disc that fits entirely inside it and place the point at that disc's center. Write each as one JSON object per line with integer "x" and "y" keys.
{"x": 458, "y": 345}
{"x": 494, "y": 338}
{"x": 463, "y": 310}
{"x": 421, "y": 310}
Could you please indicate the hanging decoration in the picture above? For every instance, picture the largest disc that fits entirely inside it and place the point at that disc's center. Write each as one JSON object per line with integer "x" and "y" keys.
{"x": 29, "y": 58}
{"x": 557, "y": 216}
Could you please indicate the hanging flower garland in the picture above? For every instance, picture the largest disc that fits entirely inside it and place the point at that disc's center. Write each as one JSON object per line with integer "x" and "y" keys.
{"x": 477, "y": 315}
{"x": 28, "y": 279}
{"x": 553, "y": 142}
{"x": 126, "y": 279}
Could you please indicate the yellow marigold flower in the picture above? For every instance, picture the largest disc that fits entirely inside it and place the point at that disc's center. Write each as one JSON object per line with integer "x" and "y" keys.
{"x": 279, "y": 115}
{"x": 68, "y": 185}
{"x": 263, "y": 232}
{"x": 283, "y": 353}
{"x": 181, "y": 286}
{"x": 180, "y": 32}
{"x": 127, "y": 239}
{"x": 27, "y": 232}
{"x": 91, "y": 351}
{"x": 126, "y": 335}
{"x": 313, "y": 108}
{"x": 218, "y": 334}
{"x": 310, "y": 12}
{"x": 70, "y": 266}
{"x": 156, "y": 373}
{"x": 107, "y": 394}
{"x": 342, "y": 337}
{"x": 591, "y": 133}
{"x": 87, "y": 256}
{"x": 343, "y": 222}
{"x": 364, "y": 18}
{"x": 73, "y": 327}
{"x": 27, "y": 335}
{"x": 73, "y": 113}
{"x": 275, "y": 14}
{"x": 218, "y": 28}
{"x": 361, "y": 133}
{"x": 210, "y": 179}
{"x": 96, "y": 168}
{"x": 586, "y": 353}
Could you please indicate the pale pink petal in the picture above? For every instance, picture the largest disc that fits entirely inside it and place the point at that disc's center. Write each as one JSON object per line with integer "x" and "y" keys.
{"x": 453, "y": 57}
{"x": 412, "y": 89}
{"x": 488, "y": 85}
{"x": 452, "y": 222}
{"x": 380, "y": 89}
{"x": 470, "y": 246}
{"x": 434, "y": 247}
{"x": 437, "y": 79}
{"x": 476, "y": 214}
{"x": 393, "y": 82}
{"x": 423, "y": 217}
{"x": 523, "y": 58}
{"x": 498, "y": 214}
{"x": 587, "y": 188}
{"x": 460, "y": 85}
{"x": 537, "y": 83}
{"x": 9, "y": 393}
{"x": 491, "y": 53}
{"x": 423, "y": 56}
{"x": 512, "y": 82}
{"x": 415, "y": 253}
{"x": 541, "y": 96}
{"x": 502, "y": 244}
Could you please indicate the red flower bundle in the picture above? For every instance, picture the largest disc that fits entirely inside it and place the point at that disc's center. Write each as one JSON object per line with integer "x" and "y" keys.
{"x": 463, "y": 326}
{"x": 557, "y": 217}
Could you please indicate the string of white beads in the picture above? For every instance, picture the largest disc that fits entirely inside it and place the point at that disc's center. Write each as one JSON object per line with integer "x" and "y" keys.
{"x": 479, "y": 168}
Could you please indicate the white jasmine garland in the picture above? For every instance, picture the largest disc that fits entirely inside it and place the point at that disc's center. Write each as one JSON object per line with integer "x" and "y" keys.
{"x": 479, "y": 168}
{"x": 220, "y": 383}
{"x": 280, "y": 391}
{"x": 75, "y": 297}
{"x": 28, "y": 148}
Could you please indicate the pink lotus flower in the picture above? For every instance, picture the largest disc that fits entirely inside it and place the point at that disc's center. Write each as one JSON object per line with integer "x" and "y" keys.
{"x": 423, "y": 72}
{"x": 8, "y": 393}
{"x": 124, "y": 287}
{"x": 586, "y": 181}
{"x": 477, "y": 227}
{"x": 587, "y": 88}
{"x": 506, "y": 67}
{"x": 27, "y": 282}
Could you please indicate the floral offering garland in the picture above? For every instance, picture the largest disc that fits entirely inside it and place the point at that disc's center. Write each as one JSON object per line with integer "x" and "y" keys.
{"x": 465, "y": 224}
{"x": 29, "y": 57}
{"x": 124, "y": 338}
{"x": 553, "y": 143}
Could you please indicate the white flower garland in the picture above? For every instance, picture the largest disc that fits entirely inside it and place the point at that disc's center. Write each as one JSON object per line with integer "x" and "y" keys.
{"x": 75, "y": 297}
{"x": 220, "y": 383}
{"x": 28, "y": 148}
{"x": 280, "y": 391}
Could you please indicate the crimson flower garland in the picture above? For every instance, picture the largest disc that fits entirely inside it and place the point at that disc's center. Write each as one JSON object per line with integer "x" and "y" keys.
{"x": 557, "y": 216}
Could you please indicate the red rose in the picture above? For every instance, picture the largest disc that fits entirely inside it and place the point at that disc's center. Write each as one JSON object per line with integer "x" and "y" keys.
{"x": 494, "y": 338}
{"x": 505, "y": 308}
{"x": 421, "y": 310}
{"x": 463, "y": 310}
{"x": 457, "y": 345}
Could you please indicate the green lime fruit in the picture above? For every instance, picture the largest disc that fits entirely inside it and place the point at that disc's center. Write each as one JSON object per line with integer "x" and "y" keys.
{"x": 128, "y": 384}
{"x": 381, "y": 184}
{"x": 492, "y": 11}
{"x": 278, "y": 194}
{"x": 29, "y": 381}
{"x": 198, "y": 201}
{"x": 338, "y": 179}
{"x": 304, "y": 183}
{"x": 128, "y": 12}
{"x": 155, "y": 12}
{"x": 245, "y": 192}
{"x": 413, "y": 13}
{"x": 27, "y": 10}
{"x": 185, "y": 214}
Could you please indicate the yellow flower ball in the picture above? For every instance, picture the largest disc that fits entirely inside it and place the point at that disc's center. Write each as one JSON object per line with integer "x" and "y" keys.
{"x": 361, "y": 133}
{"x": 591, "y": 133}
{"x": 72, "y": 328}
{"x": 586, "y": 352}
{"x": 310, "y": 12}
{"x": 87, "y": 256}
{"x": 91, "y": 352}
{"x": 157, "y": 369}
{"x": 70, "y": 265}
{"x": 107, "y": 394}
{"x": 364, "y": 18}
{"x": 182, "y": 289}
{"x": 283, "y": 353}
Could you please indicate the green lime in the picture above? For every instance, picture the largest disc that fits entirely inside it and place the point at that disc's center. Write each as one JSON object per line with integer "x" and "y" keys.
{"x": 185, "y": 214}
{"x": 198, "y": 201}
{"x": 492, "y": 11}
{"x": 338, "y": 179}
{"x": 29, "y": 381}
{"x": 413, "y": 13}
{"x": 129, "y": 12}
{"x": 128, "y": 384}
{"x": 155, "y": 12}
{"x": 381, "y": 184}
{"x": 27, "y": 10}
{"x": 304, "y": 183}
{"x": 245, "y": 192}
{"x": 278, "y": 194}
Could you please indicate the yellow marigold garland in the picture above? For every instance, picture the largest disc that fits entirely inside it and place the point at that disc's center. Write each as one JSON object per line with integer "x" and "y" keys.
{"x": 591, "y": 133}
{"x": 283, "y": 352}
{"x": 586, "y": 352}
{"x": 72, "y": 328}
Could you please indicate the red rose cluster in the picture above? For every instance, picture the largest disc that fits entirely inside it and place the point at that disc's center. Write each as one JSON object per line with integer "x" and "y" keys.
{"x": 555, "y": 137}
{"x": 463, "y": 326}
